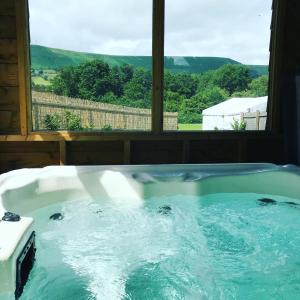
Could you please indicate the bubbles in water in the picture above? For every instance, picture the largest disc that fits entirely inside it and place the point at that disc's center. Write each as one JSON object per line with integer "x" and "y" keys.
{"x": 222, "y": 246}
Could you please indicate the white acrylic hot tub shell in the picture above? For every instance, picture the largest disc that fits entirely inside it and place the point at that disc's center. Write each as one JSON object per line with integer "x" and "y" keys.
{"x": 23, "y": 191}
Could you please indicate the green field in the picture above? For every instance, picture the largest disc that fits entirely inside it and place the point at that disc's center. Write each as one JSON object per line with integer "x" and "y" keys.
{"x": 189, "y": 127}
{"x": 40, "y": 80}
{"x": 49, "y": 58}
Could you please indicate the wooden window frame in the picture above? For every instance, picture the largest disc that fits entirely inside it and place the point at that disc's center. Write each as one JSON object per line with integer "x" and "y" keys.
{"x": 157, "y": 132}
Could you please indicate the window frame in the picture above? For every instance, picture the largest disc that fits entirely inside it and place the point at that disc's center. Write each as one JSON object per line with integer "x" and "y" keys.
{"x": 273, "y": 126}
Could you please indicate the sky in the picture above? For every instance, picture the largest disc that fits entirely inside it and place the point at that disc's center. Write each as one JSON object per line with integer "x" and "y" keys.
{"x": 236, "y": 29}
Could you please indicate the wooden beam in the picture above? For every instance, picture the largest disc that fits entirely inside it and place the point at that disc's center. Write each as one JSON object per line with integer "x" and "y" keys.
{"x": 125, "y": 136}
{"x": 62, "y": 153}
{"x": 275, "y": 65}
{"x": 22, "y": 19}
{"x": 158, "y": 65}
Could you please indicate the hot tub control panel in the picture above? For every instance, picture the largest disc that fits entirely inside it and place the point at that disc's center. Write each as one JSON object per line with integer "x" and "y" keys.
{"x": 24, "y": 264}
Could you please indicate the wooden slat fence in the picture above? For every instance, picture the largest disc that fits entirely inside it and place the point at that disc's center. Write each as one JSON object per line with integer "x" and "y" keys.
{"x": 94, "y": 114}
{"x": 255, "y": 121}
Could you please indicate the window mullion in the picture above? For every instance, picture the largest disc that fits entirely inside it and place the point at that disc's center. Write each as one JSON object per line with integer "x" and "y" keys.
{"x": 158, "y": 65}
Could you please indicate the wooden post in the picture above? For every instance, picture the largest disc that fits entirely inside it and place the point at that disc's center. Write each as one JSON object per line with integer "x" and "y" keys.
{"x": 37, "y": 117}
{"x": 257, "y": 119}
{"x": 62, "y": 152}
{"x": 276, "y": 64}
{"x": 22, "y": 16}
{"x": 242, "y": 117}
{"x": 158, "y": 65}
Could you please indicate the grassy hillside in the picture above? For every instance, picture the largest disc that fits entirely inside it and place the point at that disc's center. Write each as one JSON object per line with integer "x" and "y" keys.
{"x": 49, "y": 58}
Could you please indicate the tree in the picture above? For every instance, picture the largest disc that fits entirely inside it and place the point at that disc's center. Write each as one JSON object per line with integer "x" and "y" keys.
{"x": 94, "y": 79}
{"x": 191, "y": 109}
{"x": 184, "y": 84}
{"x": 259, "y": 86}
{"x": 117, "y": 81}
{"x": 137, "y": 92}
{"x": 232, "y": 78}
{"x": 66, "y": 82}
{"x": 172, "y": 101}
{"x": 244, "y": 94}
{"x": 127, "y": 72}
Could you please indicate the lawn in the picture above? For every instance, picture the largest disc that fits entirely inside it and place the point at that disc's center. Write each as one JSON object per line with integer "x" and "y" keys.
{"x": 40, "y": 80}
{"x": 189, "y": 127}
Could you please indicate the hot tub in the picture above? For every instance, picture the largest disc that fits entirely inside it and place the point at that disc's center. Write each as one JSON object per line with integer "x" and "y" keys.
{"x": 156, "y": 232}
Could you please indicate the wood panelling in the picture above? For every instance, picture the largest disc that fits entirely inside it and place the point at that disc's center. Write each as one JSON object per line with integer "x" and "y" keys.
{"x": 291, "y": 44}
{"x": 9, "y": 110}
{"x": 9, "y": 121}
{"x": 214, "y": 151}
{"x": 9, "y": 91}
{"x": 9, "y": 96}
{"x": 265, "y": 150}
{"x": 156, "y": 152}
{"x": 7, "y": 8}
{"x": 29, "y": 147}
{"x": 95, "y": 153}
{"x": 8, "y": 75}
{"x": 8, "y": 51}
{"x": 7, "y": 27}
{"x": 16, "y": 155}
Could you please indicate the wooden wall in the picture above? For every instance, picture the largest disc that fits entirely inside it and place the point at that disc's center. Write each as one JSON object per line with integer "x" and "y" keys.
{"x": 21, "y": 148}
{"x": 290, "y": 82}
{"x": 9, "y": 105}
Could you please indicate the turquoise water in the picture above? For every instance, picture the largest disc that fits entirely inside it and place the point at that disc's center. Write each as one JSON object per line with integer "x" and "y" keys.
{"x": 220, "y": 246}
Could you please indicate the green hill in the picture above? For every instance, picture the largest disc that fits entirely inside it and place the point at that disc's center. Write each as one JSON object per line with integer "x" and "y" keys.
{"x": 50, "y": 58}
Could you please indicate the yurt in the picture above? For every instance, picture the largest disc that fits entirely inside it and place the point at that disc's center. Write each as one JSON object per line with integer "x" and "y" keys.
{"x": 223, "y": 115}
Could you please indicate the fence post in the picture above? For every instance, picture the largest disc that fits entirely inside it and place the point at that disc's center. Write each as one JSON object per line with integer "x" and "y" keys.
{"x": 37, "y": 120}
{"x": 91, "y": 121}
{"x": 242, "y": 119}
{"x": 257, "y": 119}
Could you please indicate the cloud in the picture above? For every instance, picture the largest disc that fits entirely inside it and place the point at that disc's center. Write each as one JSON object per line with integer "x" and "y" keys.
{"x": 229, "y": 28}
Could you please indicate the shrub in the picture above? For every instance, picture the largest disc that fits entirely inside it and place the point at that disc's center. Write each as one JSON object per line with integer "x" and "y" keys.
{"x": 72, "y": 121}
{"x": 238, "y": 125}
{"x": 69, "y": 121}
{"x": 107, "y": 127}
{"x": 52, "y": 122}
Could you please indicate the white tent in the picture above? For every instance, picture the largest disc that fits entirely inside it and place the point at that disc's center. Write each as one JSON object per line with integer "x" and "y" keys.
{"x": 222, "y": 115}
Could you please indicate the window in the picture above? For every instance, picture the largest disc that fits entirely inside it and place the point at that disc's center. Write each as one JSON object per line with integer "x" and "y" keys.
{"x": 91, "y": 65}
{"x": 216, "y": 64}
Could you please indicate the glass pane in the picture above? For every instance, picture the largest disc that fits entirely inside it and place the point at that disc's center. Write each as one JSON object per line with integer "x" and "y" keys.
{"x": 216, "y": 64}
{"x": 91, "y": 64}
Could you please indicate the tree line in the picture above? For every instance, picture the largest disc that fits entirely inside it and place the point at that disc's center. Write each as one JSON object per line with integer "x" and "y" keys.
{"x": 185, "y": 93}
